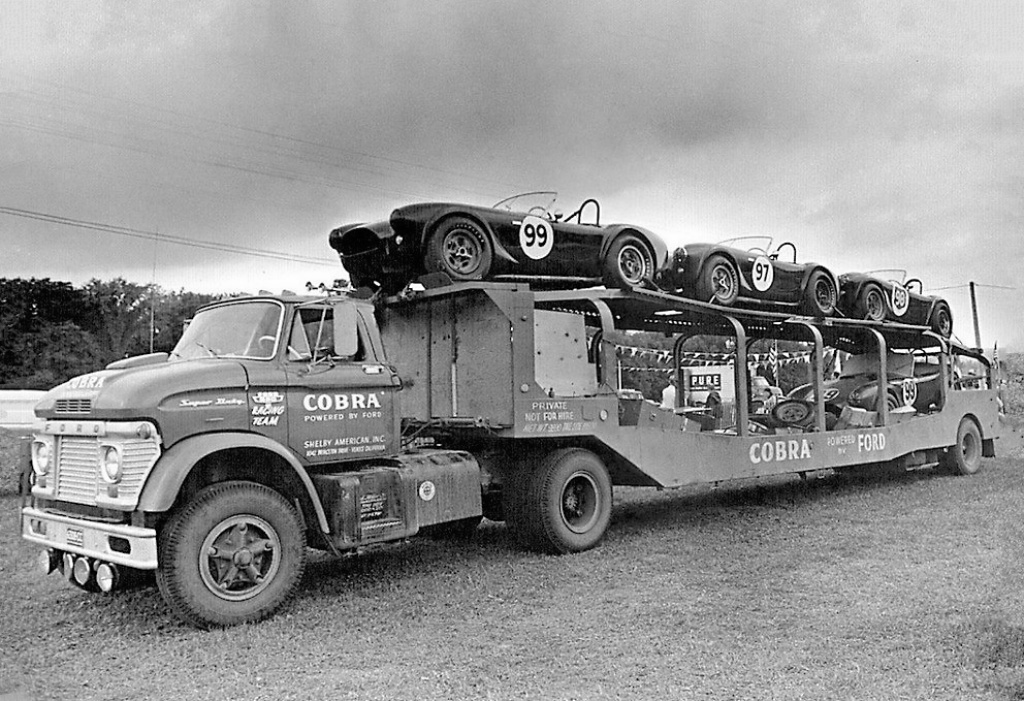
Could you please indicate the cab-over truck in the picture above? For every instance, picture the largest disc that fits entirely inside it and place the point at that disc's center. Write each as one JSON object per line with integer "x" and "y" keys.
{"x": 285, "y": 422}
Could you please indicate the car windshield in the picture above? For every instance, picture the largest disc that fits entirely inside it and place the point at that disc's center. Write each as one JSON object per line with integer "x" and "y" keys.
{"x": 542, "y": 201}
{"x": 891, "y": 274}
{"x": 240, "y": 330}
{"x": 753, "y": 244}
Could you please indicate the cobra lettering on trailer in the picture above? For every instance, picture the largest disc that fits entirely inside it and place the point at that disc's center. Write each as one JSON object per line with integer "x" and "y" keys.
{"x": 780, "y": 451}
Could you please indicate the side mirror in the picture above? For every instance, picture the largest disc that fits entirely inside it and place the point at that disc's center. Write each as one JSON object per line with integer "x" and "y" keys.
{"x": 346, "y": 334}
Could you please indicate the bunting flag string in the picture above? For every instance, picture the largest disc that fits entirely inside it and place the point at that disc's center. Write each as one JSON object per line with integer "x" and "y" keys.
{"x": 709, "y": 358}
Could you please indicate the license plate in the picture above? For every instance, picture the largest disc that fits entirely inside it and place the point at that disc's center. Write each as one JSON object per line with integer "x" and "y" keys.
{"x": 75, "y": 537}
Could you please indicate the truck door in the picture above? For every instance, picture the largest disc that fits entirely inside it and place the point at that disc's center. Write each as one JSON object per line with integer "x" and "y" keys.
{"x": 341, "y": 399}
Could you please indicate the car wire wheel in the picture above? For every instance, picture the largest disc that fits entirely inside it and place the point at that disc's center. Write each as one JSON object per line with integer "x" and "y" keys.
{"x": 820, "y": 295}
{"x": 872, "y": 304}
{"x": 719, "y": 282}
{"x": 461, "y": 249}
{"x": 942, "y": 320}
{"x": 629, "y": 263}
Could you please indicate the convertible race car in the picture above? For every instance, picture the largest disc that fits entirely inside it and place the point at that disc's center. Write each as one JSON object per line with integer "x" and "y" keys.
{"x": 883, "y": 295}
{"x": 913, "y": 381}
{"x": 747, "y": 271}
{"x": 521, "y": 237}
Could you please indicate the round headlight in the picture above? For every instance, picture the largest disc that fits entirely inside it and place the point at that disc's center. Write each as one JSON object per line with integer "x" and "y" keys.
{"x": 110, "y": 464}
{"x": 41, "y": 454}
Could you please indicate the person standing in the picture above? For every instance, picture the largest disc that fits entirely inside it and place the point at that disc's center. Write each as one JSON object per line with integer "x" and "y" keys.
{"x": 668, "y": 395}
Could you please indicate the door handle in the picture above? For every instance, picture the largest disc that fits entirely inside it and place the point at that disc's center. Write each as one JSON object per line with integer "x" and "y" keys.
{"x": 373, "y": 369}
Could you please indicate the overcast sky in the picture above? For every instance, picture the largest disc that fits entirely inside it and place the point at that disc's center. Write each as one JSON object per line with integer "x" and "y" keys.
{"x": 873, "y": 135}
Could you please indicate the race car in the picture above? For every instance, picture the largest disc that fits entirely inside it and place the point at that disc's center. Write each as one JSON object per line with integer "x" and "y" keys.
{"x": 748, "y": 271}
{"x": 913, "y": 380}
{"x": 520, "y": 238}
{"x": 882, "y": 295}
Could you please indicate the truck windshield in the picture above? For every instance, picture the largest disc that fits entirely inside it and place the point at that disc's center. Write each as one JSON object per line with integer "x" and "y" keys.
{"x": 242, "y": 330}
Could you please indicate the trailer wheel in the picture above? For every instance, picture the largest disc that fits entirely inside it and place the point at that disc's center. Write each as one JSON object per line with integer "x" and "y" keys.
{"x": 233, "y": 554}
{"x": 565, "y": 504}
{"x": 964, "y": 458}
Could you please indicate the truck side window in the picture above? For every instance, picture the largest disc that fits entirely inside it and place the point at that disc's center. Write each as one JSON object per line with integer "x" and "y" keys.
{"x": 313, "y": 330}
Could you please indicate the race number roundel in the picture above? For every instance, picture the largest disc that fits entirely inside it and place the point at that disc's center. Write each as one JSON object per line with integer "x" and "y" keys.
{"x": 900, "y": 299}
{"x": 909, "y": 392}
{"x": 762, "y": 274}
{"x": 536, "y": 237}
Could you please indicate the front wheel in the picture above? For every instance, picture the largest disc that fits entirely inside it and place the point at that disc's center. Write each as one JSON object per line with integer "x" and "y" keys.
{"x": 719, "y": 281}
{"x": 461, "y": 249}
{"x": 871, "y": 305}
{"x": 820, "y": 295}
{"x": 564, "y": 505}
{"x": 233, "y": 554}
{"x": 964, "y": 458}
{"x": 628, "y": 264}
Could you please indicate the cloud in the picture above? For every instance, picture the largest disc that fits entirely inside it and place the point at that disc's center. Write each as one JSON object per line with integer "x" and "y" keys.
{"x": 869, "y": 133}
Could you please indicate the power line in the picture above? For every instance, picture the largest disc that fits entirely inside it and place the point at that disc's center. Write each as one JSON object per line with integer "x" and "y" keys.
{"x": 166, "y": 238}
{"x": 185, "y": 125}
{"x": 967, "y": 284}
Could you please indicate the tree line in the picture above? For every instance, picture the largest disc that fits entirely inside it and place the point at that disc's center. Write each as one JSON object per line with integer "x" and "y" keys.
{"x": 51, "y": 331}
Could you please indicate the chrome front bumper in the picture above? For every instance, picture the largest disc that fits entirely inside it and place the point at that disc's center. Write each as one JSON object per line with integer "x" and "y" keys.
{"x": 129, "y": 546}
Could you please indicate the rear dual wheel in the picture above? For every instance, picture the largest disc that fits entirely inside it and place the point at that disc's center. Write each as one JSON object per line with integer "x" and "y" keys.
{"x": 964, "y": 458}
{"x": 562, "y": 505}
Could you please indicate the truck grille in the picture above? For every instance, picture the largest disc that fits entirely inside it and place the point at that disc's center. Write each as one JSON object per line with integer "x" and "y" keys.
{"x": 73, "y": 406}
{"x": 78, "y": 466}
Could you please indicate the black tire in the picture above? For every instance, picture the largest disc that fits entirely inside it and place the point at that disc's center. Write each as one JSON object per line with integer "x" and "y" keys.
{"x": 964, "y": 458}
{"x": 871, "y": 304}
{"x": 459, "y": 248}
{"x": 892, "y": 402}
{"x": 719, "y": 281}
{"x": 820, "y": 295}
{"x": 629, "y": 263}
{"x": 793, "y": 412}
{"x": 941, "y": 320}
{"x": 564, "y": 505}
{"x": 233, "y": 554}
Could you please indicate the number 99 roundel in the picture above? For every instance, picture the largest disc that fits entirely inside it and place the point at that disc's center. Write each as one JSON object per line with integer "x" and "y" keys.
{"x": 536, "y": 237}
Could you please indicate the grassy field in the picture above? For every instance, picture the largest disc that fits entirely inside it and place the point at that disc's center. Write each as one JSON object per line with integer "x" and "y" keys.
{"x": 890, "y": 586}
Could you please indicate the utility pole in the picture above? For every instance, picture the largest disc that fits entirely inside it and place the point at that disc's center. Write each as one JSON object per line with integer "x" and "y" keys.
{"x": 974, "y": 313}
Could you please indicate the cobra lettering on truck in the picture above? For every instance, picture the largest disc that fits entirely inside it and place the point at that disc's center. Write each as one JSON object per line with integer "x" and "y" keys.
{"x": 340, "y": 402}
